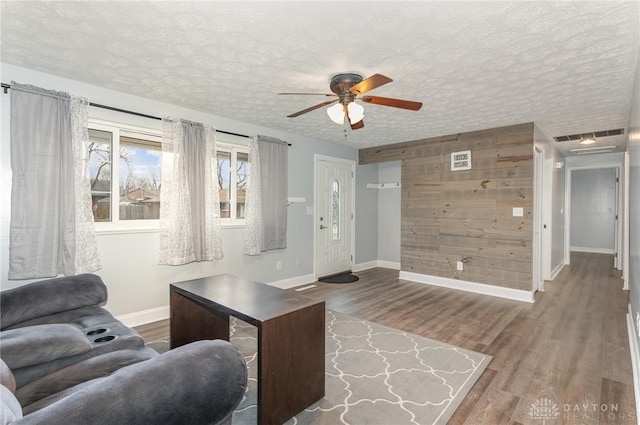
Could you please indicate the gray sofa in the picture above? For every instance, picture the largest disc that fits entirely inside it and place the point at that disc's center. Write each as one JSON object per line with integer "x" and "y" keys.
{"x": 67, "y": 360}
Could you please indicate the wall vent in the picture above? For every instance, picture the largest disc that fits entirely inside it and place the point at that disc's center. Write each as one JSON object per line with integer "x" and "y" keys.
{"x": 592, "y": 135}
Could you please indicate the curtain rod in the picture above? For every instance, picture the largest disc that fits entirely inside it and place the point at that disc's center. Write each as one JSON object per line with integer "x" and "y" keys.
{"x": 6, "y": 87}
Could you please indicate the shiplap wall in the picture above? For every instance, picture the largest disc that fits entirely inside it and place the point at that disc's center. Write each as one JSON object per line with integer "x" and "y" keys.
{"x": 449, "y": 215}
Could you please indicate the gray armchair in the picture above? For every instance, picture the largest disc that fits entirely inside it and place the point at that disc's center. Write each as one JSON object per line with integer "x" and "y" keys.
{"x": 197, "y": 384}
{"x": 67, "y": 360}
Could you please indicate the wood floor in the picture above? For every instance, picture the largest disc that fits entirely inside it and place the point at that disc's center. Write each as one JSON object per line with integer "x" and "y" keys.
{"x": 569, "y": 347}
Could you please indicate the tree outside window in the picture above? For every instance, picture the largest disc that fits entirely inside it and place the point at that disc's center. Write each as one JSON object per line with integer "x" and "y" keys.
{"x": 139, "y": 175}
{"x": 233, "y": 171}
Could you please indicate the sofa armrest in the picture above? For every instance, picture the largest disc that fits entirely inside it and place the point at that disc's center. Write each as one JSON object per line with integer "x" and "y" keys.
{"x": 197, "y": 384}
{"x": 50, "y": 296}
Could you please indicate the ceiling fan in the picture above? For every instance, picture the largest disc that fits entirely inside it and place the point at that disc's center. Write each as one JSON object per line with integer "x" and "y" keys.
{"x": 348, "y": 87}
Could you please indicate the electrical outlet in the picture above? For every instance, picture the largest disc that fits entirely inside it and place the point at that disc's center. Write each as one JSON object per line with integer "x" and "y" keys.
{"x": 278, "y": 265}
{"x": 460, "y": 265}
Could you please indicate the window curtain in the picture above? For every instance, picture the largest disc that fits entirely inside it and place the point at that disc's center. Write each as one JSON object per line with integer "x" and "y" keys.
{"x": 190, "y": 210}
{"x": 52, "y": 230}
{"x": 266, "y": 214}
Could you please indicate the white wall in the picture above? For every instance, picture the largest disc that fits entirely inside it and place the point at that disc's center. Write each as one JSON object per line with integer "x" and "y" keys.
{"x": 593, "y": 208}
{"x": 130, "y": 269}
{"x": 554, "y": 212}
{"x": 367, "y": 215}
{"x": 603, "y": 160}
{"x": 634, "y": 221}
{"x": 389, "y": 206}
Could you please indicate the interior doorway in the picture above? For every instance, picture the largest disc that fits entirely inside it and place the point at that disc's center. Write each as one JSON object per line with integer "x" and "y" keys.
{"x": 594, "y": 211}
{"x": 333, "y": 216}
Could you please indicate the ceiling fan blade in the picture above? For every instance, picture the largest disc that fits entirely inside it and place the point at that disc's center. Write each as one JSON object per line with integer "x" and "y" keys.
{"x": 313, "y": 108}
{"x": 357, "y": 125}
{"x": 375, "y": 81}
{"x": 308, "y": 94}
{"x": 396, "y": 103}
{"x": 354, "y": 126}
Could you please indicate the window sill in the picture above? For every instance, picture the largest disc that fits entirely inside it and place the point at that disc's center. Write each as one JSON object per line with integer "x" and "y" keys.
{"x": 232, "y": 225}
{"x": 126, "y": 231}
{"x": 130, "y": 230}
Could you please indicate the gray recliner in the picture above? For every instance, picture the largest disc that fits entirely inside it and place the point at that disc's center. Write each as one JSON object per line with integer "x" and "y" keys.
{"x": 67, "y": 360}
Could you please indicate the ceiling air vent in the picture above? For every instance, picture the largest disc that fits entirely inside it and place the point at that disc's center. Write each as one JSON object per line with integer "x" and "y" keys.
{"x": 592, "y": 135}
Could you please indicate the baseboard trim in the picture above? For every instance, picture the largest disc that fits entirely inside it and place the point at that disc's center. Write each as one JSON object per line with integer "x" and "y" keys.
{"x": 365, "y": 266}
{"x": 292, "y": 282}
{"x": 635, "y": 359}
{"x": 592, "y": 250}
{"x": 145, "y": 316}
{"x": 555, "y": 272}
{"x": 376, "y": 263}
{"x": 389, "y": 264}
{"x": 463, "y": 285}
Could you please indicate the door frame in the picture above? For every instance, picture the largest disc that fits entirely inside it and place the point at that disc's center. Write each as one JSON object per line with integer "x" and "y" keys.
{"x": 620, "y": 222}
{"x": 317, "y": 158}
{"x": 625, "y": 221}
{"x": 541, "y": 261}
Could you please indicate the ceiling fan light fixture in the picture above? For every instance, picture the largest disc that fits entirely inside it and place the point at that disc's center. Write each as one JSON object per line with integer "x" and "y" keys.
{"x": 588, "y": 141}
{"x": 356, "y": 112}
{"x": 336, "y": 113}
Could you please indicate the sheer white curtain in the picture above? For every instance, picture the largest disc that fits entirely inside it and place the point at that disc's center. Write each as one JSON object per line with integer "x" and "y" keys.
{"x": 266, "y": 204}
{"x": 52, "y": 230}
{"x": 190, "y": 207}
{"x": 253, "y": 202}
{"x": 87, "y": 257}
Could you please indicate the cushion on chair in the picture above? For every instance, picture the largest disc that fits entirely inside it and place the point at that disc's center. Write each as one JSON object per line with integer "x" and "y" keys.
{"x": 40, "y": 344}
{"x": 84, "y": 318}
{"x": 50, "y": 296}
{"x": 86, "y": 370}
{"x": 115, "y": 337}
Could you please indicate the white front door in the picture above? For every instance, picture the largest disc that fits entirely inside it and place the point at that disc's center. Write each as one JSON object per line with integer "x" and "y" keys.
{"x": 333, "y": 216}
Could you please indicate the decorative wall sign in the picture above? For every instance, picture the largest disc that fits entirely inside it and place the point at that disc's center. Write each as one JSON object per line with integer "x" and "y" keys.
{"x": 460, "y": 160}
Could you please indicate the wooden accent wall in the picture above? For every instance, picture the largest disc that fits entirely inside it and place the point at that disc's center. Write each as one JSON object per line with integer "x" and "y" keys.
{"x": 449, "y": 215}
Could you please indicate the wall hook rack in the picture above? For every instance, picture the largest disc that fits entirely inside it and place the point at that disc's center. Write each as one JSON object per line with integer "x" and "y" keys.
{"x": 383, "y": 185}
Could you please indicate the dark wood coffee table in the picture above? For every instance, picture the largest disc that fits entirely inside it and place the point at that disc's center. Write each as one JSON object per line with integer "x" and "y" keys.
{"x": 291, "y": 328}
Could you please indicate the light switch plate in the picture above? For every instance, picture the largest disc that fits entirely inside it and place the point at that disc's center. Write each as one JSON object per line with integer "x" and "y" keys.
{"x": 309, "y": 210}
{"x": 518, "y": 211}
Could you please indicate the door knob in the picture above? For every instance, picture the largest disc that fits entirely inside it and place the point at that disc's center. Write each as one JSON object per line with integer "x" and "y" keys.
{"x": 323, "y": 227}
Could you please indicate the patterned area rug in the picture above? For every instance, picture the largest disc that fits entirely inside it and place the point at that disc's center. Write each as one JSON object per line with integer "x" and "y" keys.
{"x": 374, "y": 375}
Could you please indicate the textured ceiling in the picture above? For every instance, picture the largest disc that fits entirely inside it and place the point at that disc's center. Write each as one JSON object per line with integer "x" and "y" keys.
{"x": 568, "y": 66}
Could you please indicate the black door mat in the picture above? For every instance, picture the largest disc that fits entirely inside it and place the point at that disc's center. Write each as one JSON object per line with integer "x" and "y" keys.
{"x": 341, "y": 278}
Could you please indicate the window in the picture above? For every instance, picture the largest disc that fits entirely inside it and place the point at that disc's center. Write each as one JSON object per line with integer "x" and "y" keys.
{"x": 233, "y": 170}
{"x": 125, "y": 190}
{"x": 335, "y": 210}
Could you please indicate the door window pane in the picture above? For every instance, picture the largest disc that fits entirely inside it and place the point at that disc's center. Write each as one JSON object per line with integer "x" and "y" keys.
{"x": 139, "y": 179}
{"x": 100, "y": 143}
{"x": 335, "y": 210}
